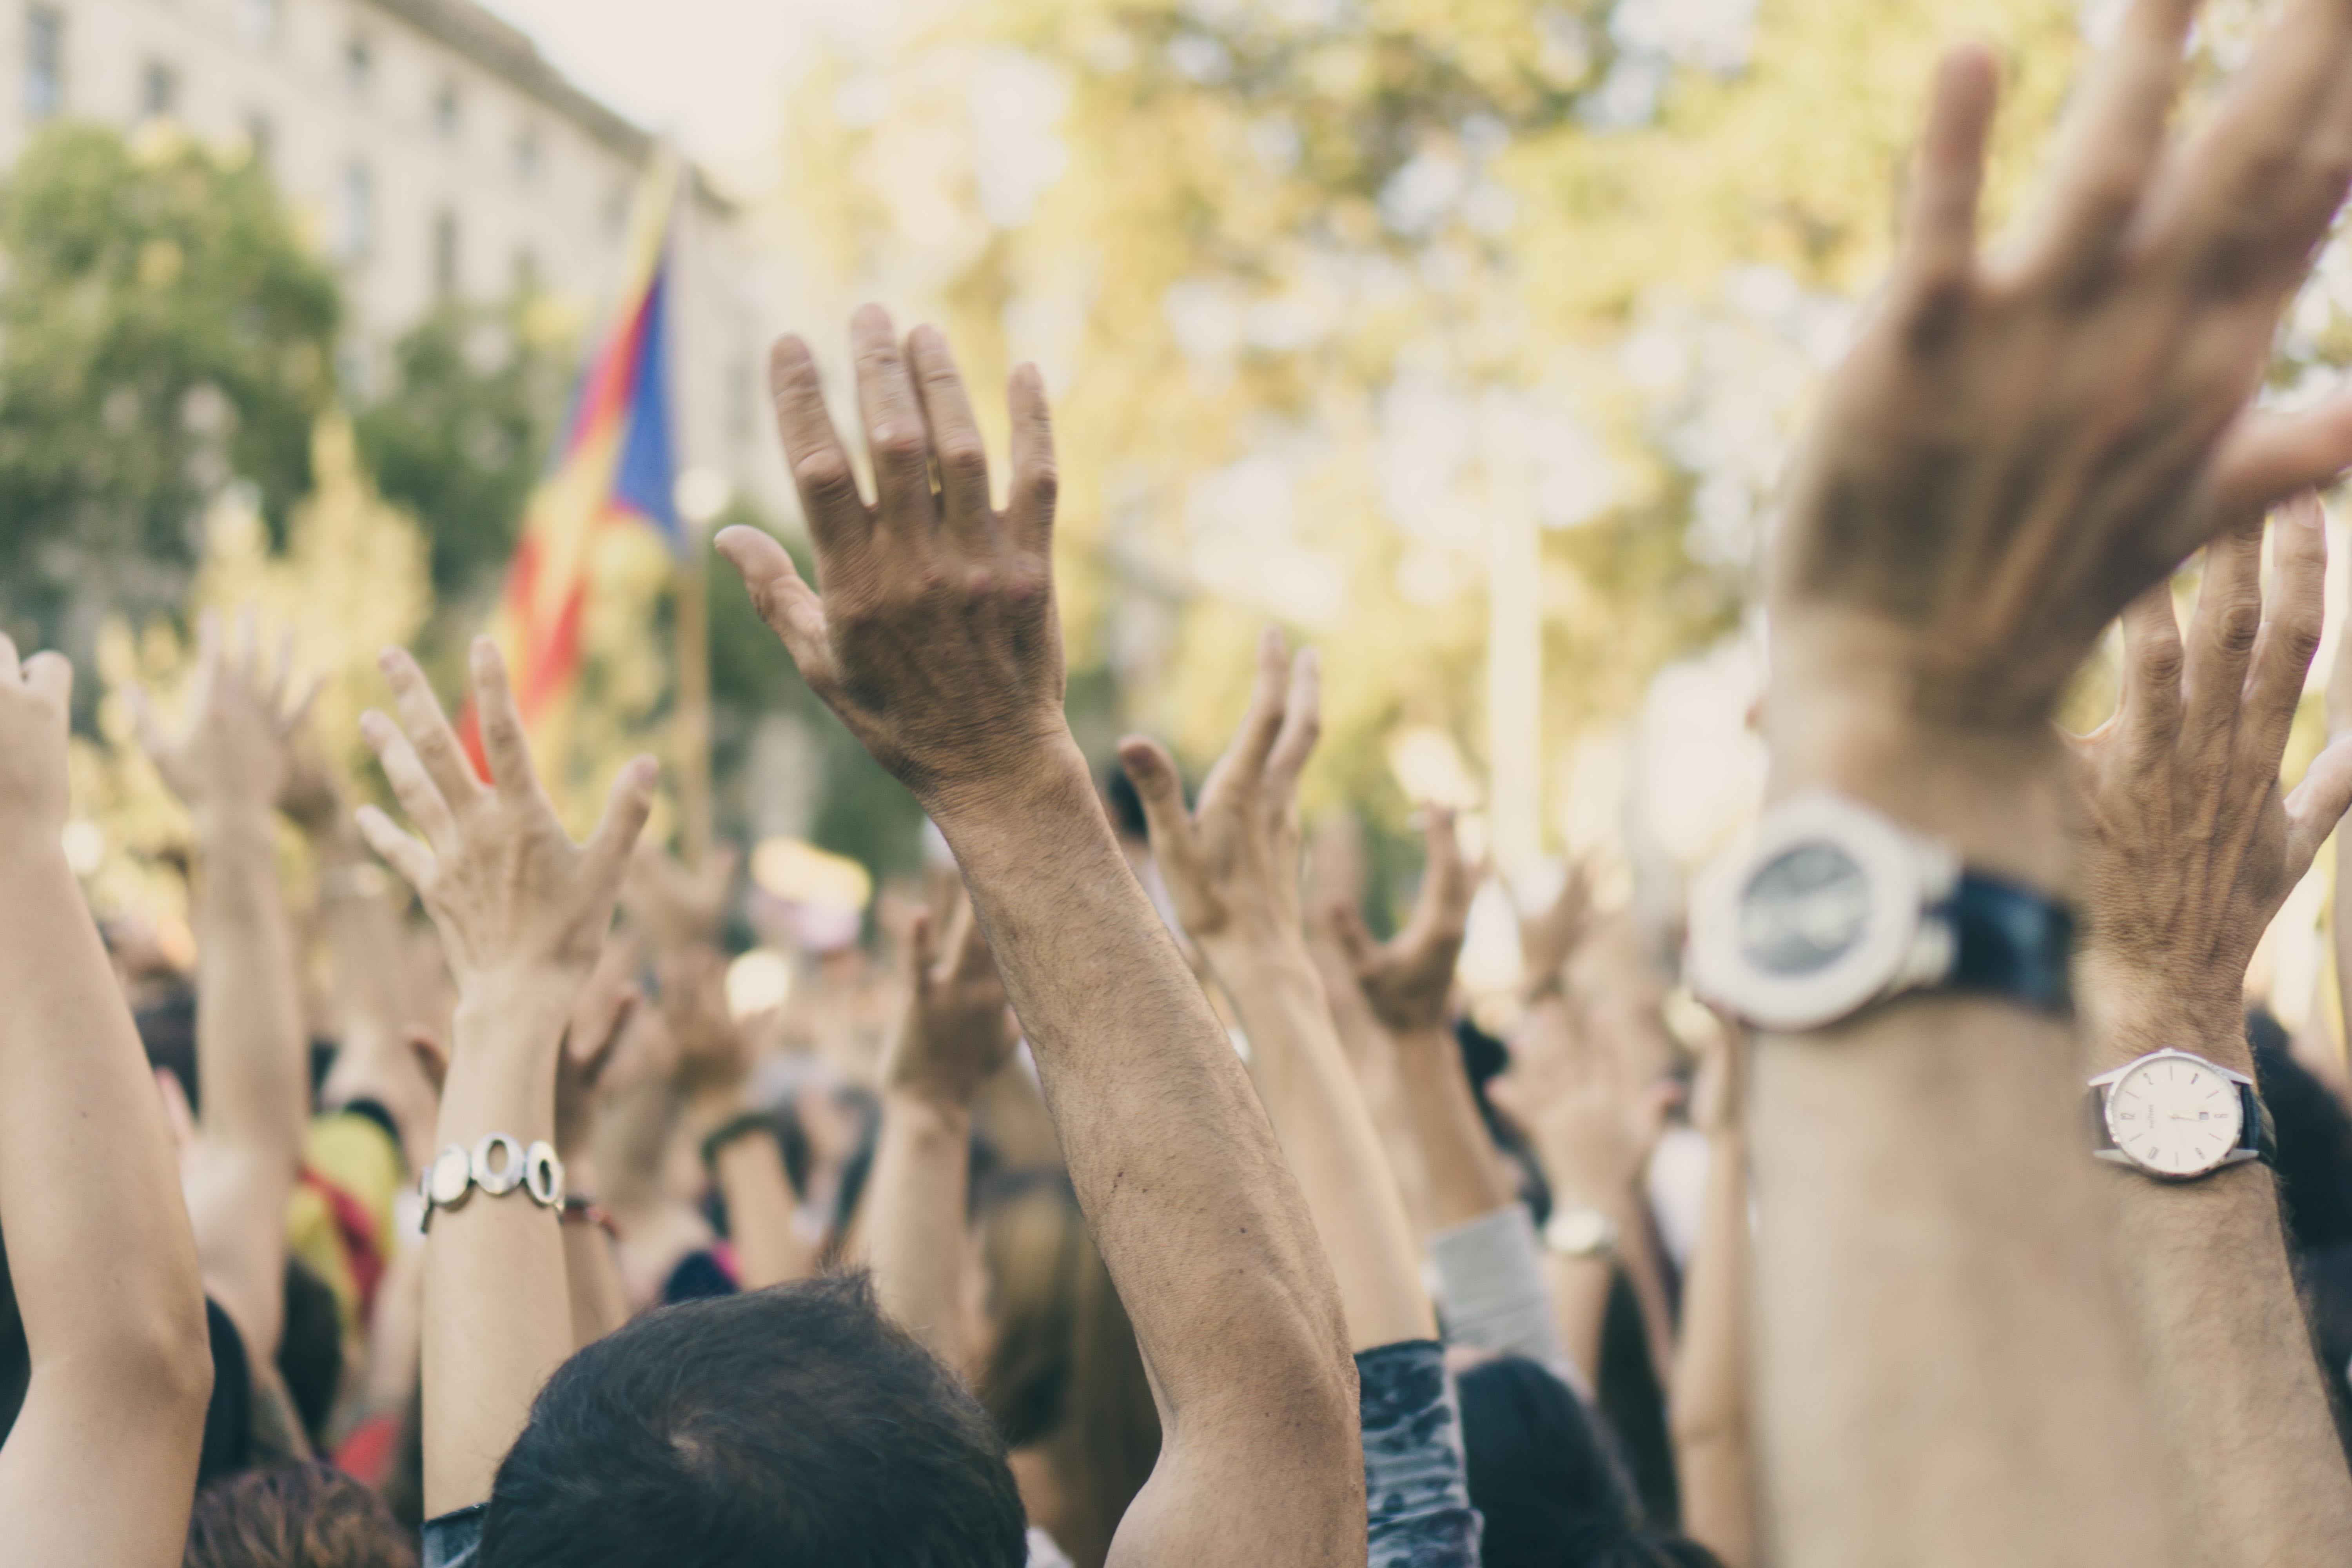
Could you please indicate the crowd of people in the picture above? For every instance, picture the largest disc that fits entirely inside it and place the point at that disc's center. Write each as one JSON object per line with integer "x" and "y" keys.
{"x": 1128, "y": 1199}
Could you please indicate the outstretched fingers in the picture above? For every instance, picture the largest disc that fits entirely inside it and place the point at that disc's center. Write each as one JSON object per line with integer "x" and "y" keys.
{"x": 838, "y": 518}
{"x": 2150, "y": 716}
{"x": 2113, "y": 142}
{"x": 428, "y": 729}
{"x": 399, "y": 851}
{"x": 1444, "y": 902}
{"x": 1243, "y": 765}
{"x": 410, "y": 782}
{"x": 2290, "y": 635}
{"x": 2269, "y": 455}
{"x": 2317, "y": 804}
{"x": 1302, "y": 726}
{"x": 896, "y": 436}
{"x": 791, "y": 608}
{"x": 605, "y": 856}
{"x": 955, "y": 439}
{"x": 1029, "y": 511}
{"x": 1937, "y": 259}
{"x": 1161, "y": 790}
{"x": 503, "y": 740}
{"x": 2223, "y": 632}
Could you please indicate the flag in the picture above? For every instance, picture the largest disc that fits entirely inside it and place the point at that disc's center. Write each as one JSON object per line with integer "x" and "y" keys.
{"x": 614, "y": 465}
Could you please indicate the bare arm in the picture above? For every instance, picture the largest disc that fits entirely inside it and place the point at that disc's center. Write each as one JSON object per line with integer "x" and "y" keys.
{"x": 98, "y": 1471}
{"x": 956, "y": 1034}
{"x": 1232, "y": 868}
{"x": 935, "y": 639}
{"x": 522, "y": 912}
{"x": 2188, "y": 850}
{"x": 599, "y": 1021}
{"x": 1986, "y": 487}
{"x": 253, "y": 1058}
{"x": 1714, "y": 1458}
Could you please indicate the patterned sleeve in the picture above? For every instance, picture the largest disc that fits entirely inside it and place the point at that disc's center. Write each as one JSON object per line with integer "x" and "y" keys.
{"x": 453, "y": 1540}
{"x": 1416, "y": 1487}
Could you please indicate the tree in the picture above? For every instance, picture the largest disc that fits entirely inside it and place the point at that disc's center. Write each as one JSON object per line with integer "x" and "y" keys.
{"x": 163, "y": 333}
{"x": 462, "y": 436}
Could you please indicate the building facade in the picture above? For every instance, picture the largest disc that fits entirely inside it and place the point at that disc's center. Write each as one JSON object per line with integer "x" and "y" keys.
{"x": 429, "y": 150}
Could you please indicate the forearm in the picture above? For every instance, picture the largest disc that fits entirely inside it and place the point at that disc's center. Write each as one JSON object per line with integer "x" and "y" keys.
{"x": 592, "y": 1280}
{"x": 360, "y": 926}
{"x": 1465, "y": 1180}
{"x": 497, "y": 1314}
{"x": 1327, "y": 1137}
{"x": 914, "y": 1236}
{"x": 1710, "y": 1417}
{"x": 252, "y": 1049}
{"x": 1943, "y": 1358}
{"x": 1199, "y": 1220}
{"x": 104, "y": 1268}
{"x": 2259, "y": 1476}
{"x": 762, "y": 1215}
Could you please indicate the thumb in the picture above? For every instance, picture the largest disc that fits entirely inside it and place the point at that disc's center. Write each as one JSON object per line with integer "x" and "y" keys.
{"x": 792, "y": 609}
{"x": 2317, "y": 804}
{"x": 1153, "y": 772}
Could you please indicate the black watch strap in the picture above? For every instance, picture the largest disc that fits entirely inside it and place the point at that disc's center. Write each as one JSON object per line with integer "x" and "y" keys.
{"x": 2010, "y": 941}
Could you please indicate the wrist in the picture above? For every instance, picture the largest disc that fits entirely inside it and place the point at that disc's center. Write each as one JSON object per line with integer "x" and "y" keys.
{"x": 926, "y": 1115}
{"x": 1272, "y": 958}
{"x": 1997, "y": 795}
{"x": 1018, "y": 806}
{"x": 2130, "y": 1009}
{"x": 234, "y": 819}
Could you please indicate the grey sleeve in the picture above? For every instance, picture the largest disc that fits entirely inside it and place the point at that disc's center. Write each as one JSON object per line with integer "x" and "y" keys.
{"x": 1416, "y": 1481}
{"x": 452, "y": 1540}
{"x": 1492, "y": 1294}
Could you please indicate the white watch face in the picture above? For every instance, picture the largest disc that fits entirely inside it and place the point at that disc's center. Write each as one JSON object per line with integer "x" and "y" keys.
{"x": 2175, "y": 1115}
{"x": 1804, "y": 910}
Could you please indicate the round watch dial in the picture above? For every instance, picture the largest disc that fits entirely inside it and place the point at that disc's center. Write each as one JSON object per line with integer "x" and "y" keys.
{"x": 2176, "y": 1116}
{"x": 1804, "y": 910}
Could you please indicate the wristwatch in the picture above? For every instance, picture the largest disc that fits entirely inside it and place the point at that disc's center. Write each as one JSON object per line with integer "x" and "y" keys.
{"x": 498, "y": 1166}
{"x": 1836, "y": 908}
{"x": 1580, "y": 1233}
{"x": 2176, "y": 1117}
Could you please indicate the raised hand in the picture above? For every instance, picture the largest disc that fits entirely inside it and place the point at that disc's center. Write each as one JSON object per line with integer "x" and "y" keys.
{"x": 1549, "y": 940}
{"x": 2020, "y": 444}
{"x": 234, "y": 754}
{"x": 959, "y": 1028}
{"x": 674, "y": 907}
{"x": 1231, "y": 862}
{"x": 35, "y": 703}
{"x": 599, "y": 1021}
{"x": 2185, "y": 844}
{"x": 1409, "y": 979}
{"x": 932, "y": 630}
{"x": 513, "y": 895}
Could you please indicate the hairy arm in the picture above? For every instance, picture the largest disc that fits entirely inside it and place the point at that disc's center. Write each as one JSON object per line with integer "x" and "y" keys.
{"x": 2188, "y": 851}
{"x": 935, "y": 639}
{"x": 99, "y": 1469}
{"x": 522, "y": 912}
{"x": 1232, "y": 870}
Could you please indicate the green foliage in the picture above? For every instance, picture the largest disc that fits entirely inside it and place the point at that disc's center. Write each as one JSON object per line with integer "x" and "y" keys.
{"x": 461, "y": 437}
{"x": 163, "y": 332}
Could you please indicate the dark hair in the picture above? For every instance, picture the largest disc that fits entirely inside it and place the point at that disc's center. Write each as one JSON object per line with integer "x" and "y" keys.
{"x": 1546, "y": 1477}
{"x": 1122, "y": 805}
{"x": 294, "y": 1516}
{"x": 782, "y": 1426}
{"x": 310, "y": 1349}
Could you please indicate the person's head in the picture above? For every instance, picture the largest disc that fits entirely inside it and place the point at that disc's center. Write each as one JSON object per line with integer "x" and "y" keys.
{"x": 789, "y": 1426}
{"x": 1063, "y": 1373}
{"x": 294, "y": 1516}
{"x": 1544, "y": 1475}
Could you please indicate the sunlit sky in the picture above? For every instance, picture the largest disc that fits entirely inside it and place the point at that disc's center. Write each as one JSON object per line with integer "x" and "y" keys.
{"x": 709, "y": 72}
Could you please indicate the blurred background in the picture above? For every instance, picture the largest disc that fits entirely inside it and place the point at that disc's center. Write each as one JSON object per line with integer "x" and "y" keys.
{"x": 1461, "y": 338}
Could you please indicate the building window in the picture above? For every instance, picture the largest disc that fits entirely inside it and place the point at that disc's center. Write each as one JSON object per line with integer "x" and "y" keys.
{"x": 44, "y": 73}
{"x": 527, "y": 157}
{"x": 159, "y": 91}
{"x": 258, "y": 20}
{"x": 444, "y": 110}
{"x": 261, "y": 136}
{"x": 355, "y": 217}
{"x": 445, "y": 254}
{"x": 359, "y": 65}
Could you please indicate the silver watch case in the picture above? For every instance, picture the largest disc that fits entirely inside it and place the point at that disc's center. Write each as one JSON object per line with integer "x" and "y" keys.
{"x": 2104, "y": 1085}
{"x": 1904, "y": 944}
